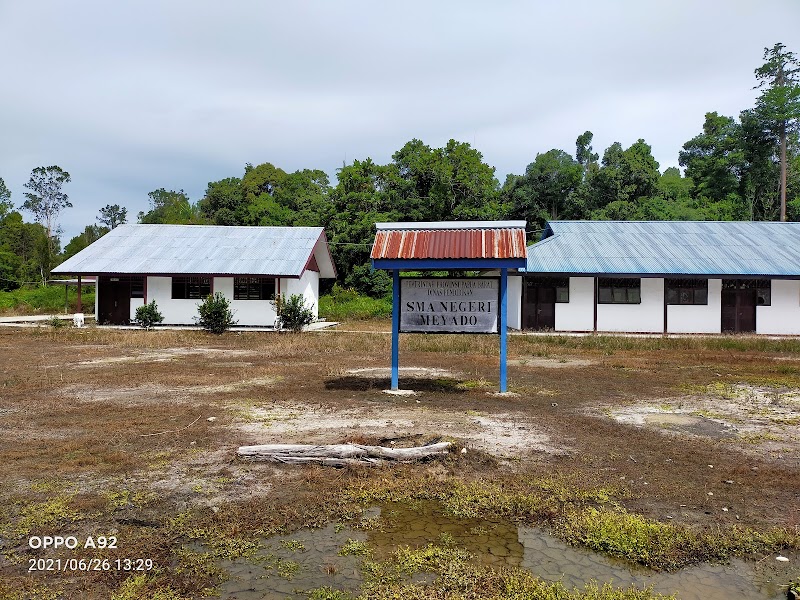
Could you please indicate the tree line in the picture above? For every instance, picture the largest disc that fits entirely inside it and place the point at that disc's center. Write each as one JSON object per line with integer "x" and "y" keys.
{"x": 744, "y": 167}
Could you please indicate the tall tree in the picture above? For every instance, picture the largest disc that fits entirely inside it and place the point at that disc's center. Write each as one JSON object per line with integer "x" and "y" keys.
{"x": 716, "y": 163}
{"x": 543, "y": 192}
{"x": 112, "y": 215}
{"x": 169, "y": 206}
{"x": 583, "y": 152}
{"x": 46, "y": 200}
{"x": 5, "y": 199}
{"x": 779, "y": 102}
{"x": 224, "y": 202}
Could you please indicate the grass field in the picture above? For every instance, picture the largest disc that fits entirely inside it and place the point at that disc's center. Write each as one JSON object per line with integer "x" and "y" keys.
{"x": 661, "y": 452}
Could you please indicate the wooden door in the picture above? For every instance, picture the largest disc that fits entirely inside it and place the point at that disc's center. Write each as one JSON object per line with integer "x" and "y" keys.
{"x": 114, "y": 303}
{"x": 739, "y": 310}
{"x": 540, "y": 307}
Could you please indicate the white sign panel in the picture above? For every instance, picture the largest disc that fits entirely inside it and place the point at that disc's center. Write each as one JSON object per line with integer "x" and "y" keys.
{"x": 438, "y": 305}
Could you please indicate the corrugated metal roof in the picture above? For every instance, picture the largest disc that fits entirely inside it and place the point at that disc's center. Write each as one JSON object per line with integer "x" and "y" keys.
{"x": 477, "y": 240}
{"x": 419, "y": 225}
{"x": 201, "y": 249}
{"x": 668, "y": 247}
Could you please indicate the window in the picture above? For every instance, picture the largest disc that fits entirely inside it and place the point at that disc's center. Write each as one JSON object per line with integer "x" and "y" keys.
{"x": 561, "y": 285}
{"x": 619, "y": 291}
{"x": 190, "y": 288}
{"x": 137, "y": 287}
{"x": 253, "y": 288}
{"x": 763, "y": 288}
{"x": 687, "y": 291}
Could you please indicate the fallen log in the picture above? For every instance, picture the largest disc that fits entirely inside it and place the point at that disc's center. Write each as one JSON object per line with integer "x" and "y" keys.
{"x": 339, "y": 455}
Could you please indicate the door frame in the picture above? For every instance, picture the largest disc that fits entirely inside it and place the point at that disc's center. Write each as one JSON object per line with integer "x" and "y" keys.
{"x": 527, "y": 306}
{"x": 738, "y": 294}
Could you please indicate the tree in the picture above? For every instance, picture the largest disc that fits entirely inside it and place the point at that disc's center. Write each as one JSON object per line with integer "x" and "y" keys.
{"x": 542, "y": 193}
{"x": 583, "y": 152}
{"x": 224, "y": 202}
{"x": 625, "y": 175}
{"x": 779, "y": 102}
{"x": 112, "y": 215}
{"x": 169, "y": 206}
{"x": 24, "y": 250}
{"x": 5, "y": 200}
{"x": 46, "y": 200}
{"x": 714, "y": 158}
{"x": 90, "y": 235}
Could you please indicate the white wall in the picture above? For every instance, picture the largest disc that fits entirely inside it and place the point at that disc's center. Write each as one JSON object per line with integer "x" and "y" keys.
{"x": 698, "y": 318}
{"x": 135, "y": 303}
{"x": 308, "y": 286}
{"x": 175, "y": 312}
{"x": 514, "y": 308}
{"x": 578, "y": 313}
{"x": 645, "y": 317}
{"x": 246, "y": 312}
{"x": 783, "y": 317}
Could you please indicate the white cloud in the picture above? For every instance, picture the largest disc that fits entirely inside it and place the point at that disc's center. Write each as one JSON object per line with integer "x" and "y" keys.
{"x": 132, "y": 96}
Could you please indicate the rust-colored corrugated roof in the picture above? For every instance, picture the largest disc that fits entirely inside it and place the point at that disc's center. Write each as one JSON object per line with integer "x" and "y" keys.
{"x": 474, "y": 240}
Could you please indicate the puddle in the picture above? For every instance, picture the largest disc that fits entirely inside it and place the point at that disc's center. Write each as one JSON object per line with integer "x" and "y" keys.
{"x": 418, "y": 524}
{"x": 287, "y": 566}
{"x": 679, "y": 421}
{"x": 553, "y": 560}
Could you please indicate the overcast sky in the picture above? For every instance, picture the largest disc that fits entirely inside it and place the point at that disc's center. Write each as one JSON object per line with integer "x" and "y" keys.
{"x": 133, "y": 96}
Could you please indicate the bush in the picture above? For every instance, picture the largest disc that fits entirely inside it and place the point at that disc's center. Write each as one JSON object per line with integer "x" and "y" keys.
{"x": 294, "y": 312}
{"x": 148, "y": 315}
{"x": 347, "y": 304}
{"x": 56, "y": 322}
{"x": 215, "y": 314}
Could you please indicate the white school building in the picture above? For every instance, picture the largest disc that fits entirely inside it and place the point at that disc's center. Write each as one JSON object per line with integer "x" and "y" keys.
{"x": 661, "y": 277}
{"x": 179, "y": 265}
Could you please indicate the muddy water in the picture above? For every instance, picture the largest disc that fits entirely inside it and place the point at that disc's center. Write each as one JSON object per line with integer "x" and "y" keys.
{"x": 553, "y": 560}
{"x": 304, "y": 560}
{"x": 288, "y": 565}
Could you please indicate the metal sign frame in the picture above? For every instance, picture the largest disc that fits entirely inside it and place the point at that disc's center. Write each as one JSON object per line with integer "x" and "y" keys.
{"x": 503, "y": 319}
{"x": 451, "y": 278}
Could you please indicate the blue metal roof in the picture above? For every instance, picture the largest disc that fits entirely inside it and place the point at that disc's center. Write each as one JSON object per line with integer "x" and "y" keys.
{"x": 732, "y": 248}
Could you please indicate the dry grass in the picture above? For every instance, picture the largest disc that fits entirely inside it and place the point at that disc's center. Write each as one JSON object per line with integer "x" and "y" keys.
{"x": 78, "y": 410}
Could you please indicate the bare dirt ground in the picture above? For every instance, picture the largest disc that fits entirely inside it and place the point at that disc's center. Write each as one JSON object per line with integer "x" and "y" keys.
{"x": 104, "y": 430}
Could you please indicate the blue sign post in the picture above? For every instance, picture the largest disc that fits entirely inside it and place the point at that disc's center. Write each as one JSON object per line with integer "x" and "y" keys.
{"x": 503, "y": 327}
{"x": 476, "y": 246}
{"x": 395, "y": 329}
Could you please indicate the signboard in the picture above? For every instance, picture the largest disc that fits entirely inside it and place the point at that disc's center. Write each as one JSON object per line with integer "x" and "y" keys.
{"x": 438, "y": 305}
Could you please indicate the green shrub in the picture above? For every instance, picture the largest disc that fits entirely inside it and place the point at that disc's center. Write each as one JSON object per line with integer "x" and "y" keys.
{"x": 56, "y": 322}
{"x": 148, "y": 315}
{"x": 347, "y": 304}
{"x": 215, "y": 314}
{"x": 293, "y": 311}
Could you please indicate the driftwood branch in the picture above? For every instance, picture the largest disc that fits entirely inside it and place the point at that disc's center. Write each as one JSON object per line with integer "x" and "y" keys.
{"x": 339, "y": 455}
